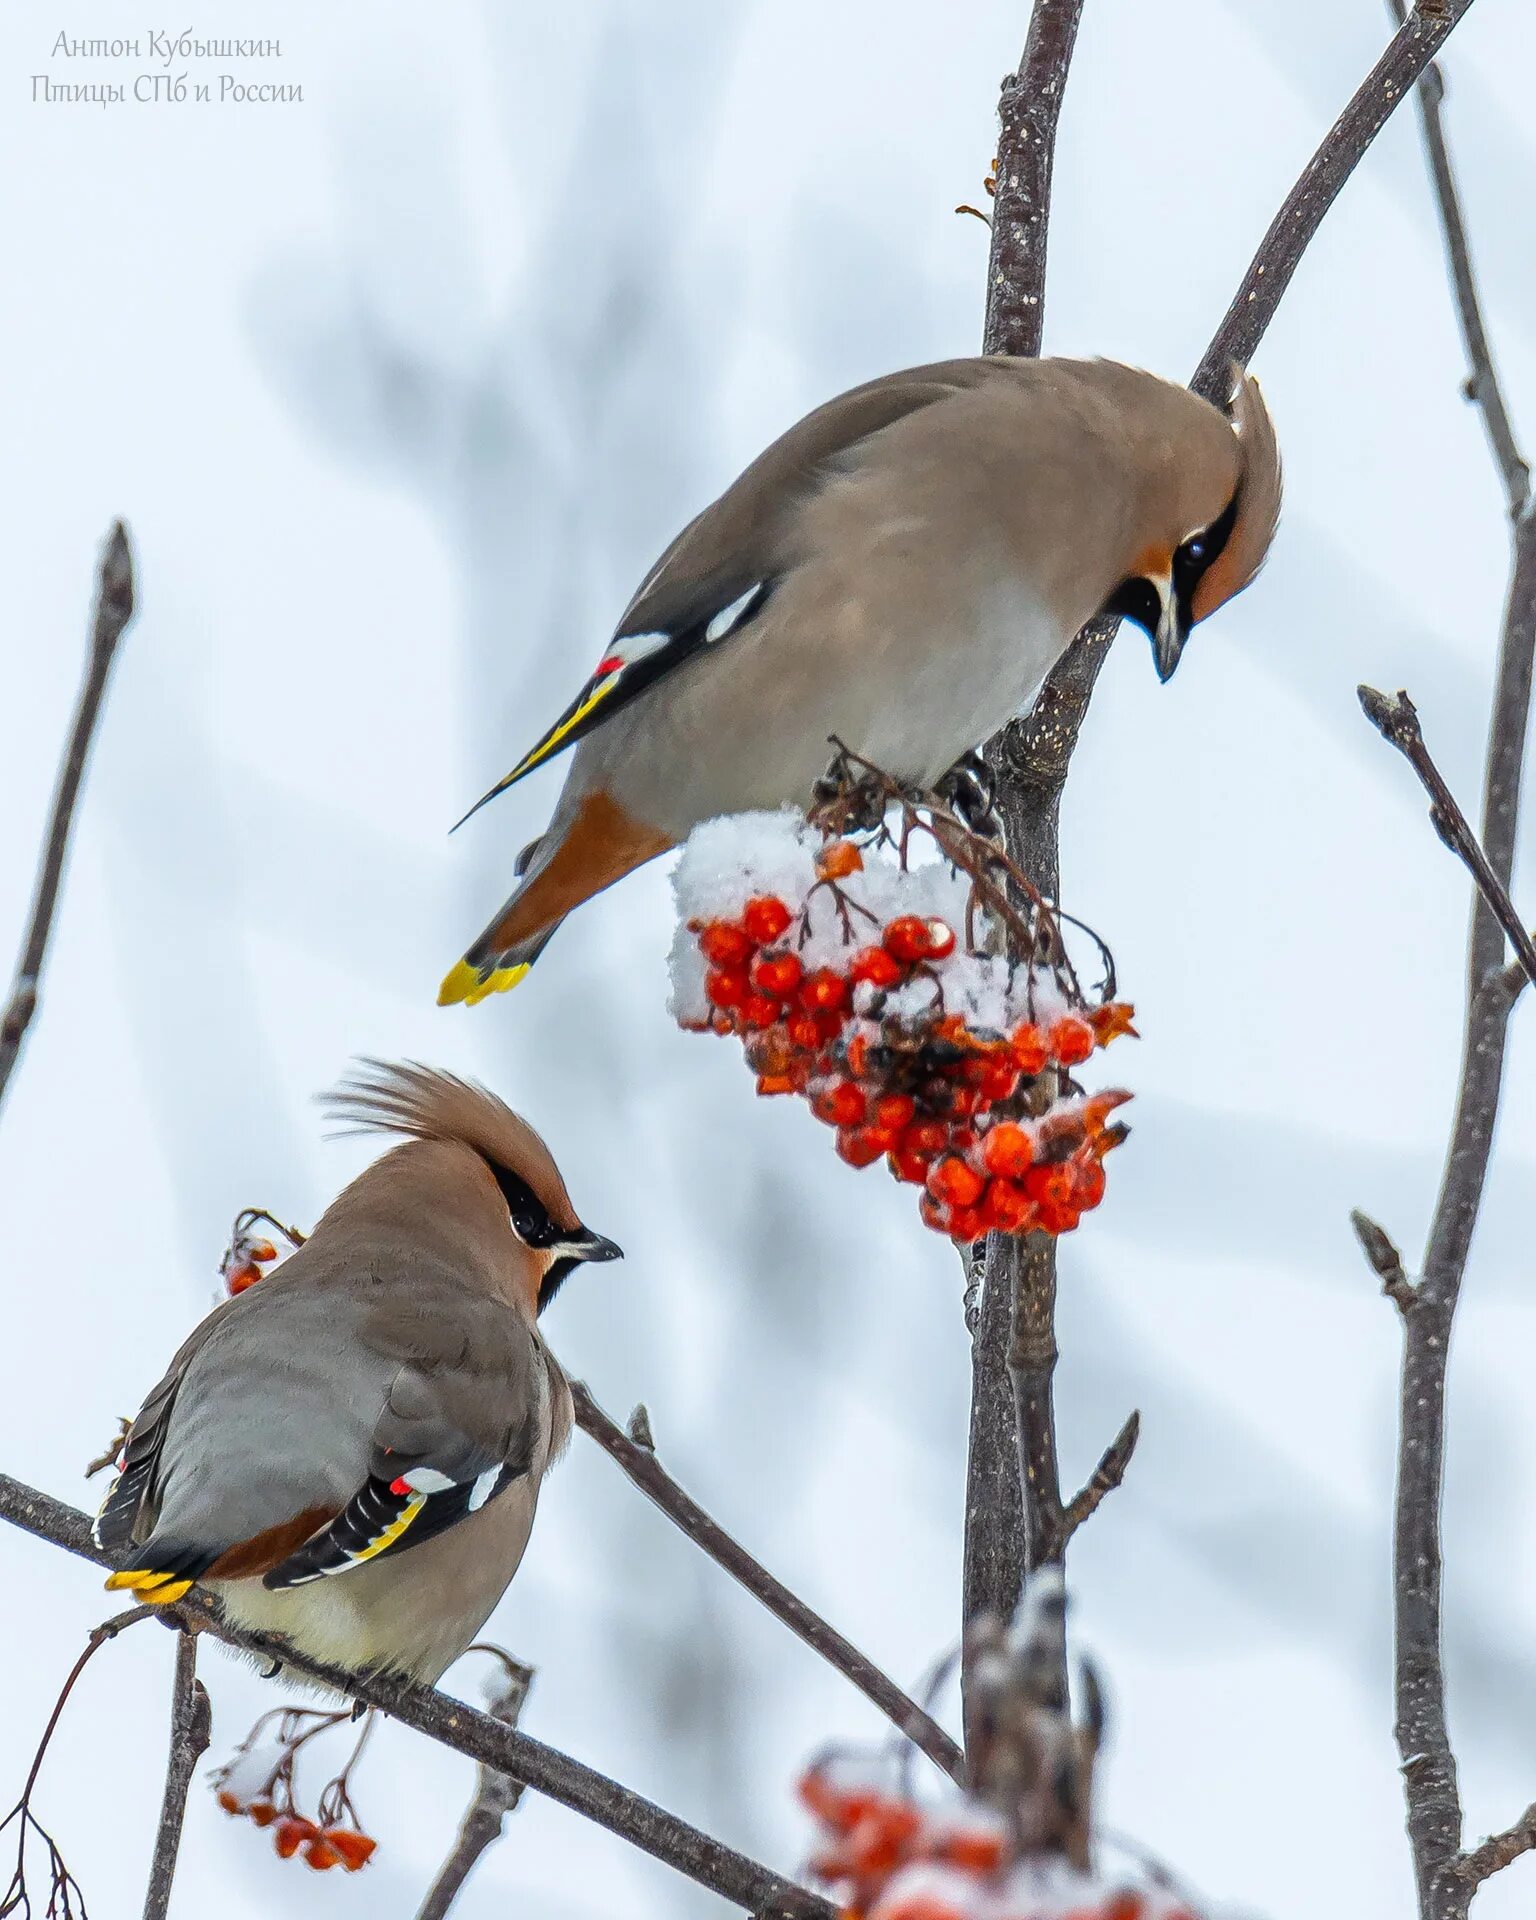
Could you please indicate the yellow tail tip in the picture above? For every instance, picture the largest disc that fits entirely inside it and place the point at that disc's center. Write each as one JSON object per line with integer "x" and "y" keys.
{"x": 466, "y": 985}
{"x": 155, "y": 1589}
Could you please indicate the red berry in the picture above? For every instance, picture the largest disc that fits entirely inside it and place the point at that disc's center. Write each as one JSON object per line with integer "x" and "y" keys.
{"x": 972, "y": 1849}
{"x": 907, "y": 938}
{"x": 262, "y": 1812}
{"x": 954, "y": 1182}
{"x": 1029, "y": 1050}
{"x": 759, "y": 1011}
{"x": 765, "y": 918}
{"x": 290, "y": 1833}
{"x": 771, "y": 1083}
{"x": 1007, "y": 1208}
{"x": 862, "y": 1146}
{"x": 934, "y": 1213}
{"x": 320, "y": 1854}
{"x": 724, "y": 944}
{"x": 941, "y": 939}
{"x": 999, "y": 1081}
{"x": 353, "y": 1849}
{"x": 910, "y": 1167}
{"x": 1072, "y": 1041}
{"x": 776, "y": 974}
{"x": 1007, "y": 1149}
{"x": 260, "y": 1251}
{"x": 1127, "y": 1904}
{"x": 1049, "y": 1185}
{"x": 830, "y": 1024}
{"x": 726, "y": 987}
{"x": 895, "y": 1110}
{"x": 1087, "y": 1184}
{"x": 966, "y": 1224}
{"x": 964, "y": 1101}
{"x": 876, "y": 966}
{"x": 840, "y": 1105}
{"x": 1057, "y": 1216}
{"x": 925, "y": 1137}
{"x": 237, "y": 1279}
{"x": 230, "y": 1802}
{"x": 824, "y": 991}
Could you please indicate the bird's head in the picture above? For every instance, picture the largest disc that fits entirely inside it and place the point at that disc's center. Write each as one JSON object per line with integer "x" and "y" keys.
{"x": 1212, "y": 502}
{"x": 425, "y": 1103}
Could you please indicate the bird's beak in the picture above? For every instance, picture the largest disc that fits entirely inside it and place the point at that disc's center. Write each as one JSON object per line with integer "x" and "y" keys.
{"x": 1170, "y": 633}
{"x": 587, "y": 1245}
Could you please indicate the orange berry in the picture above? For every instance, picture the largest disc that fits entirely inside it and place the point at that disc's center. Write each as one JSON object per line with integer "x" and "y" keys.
{"x": 320, "y": 1854}
{"x": 289, "y": 1835}
{"x": 876, "y": 966}
{"x": 954, "y": 1182}
{"x": 776, "y": 974}
{"x": 840, "y": 1105}
{"x": 907, "y": 938}
{"x": 353, "y": 1849}
{"x": 1127, "y": 1904}
{"x": 922, "y": 1905}
{"x": 1007, "y": 1207}
{"x": 726, "y": 987}
{"x": 765, "y": 918}
{"x": 1072, "y": 1041}
{"x": 1029, "y": 1050}
{"x": 772, "y": 1083}
{"x": 1057, "y": 1216}
{"x": 230, "y": 1802}
{"x": 1087, "y": 1183}
{"x": 894, "y": 1110}
{"x": 804, "y": 1032}
{"x": 934, "y": 1213}
{"x": 838, "y": 859}
{"x": 972, "y": 1849}
{"x": 759, "y": 1011}
{"x": 999, "y": 1081}
{"x": 1007, "y": 1149}
{"x": 237, "y": 1279}
{"x": 1049, "y": 1185}
{"x": 862, "y": 1146}
{"x": 824, "y": 991}
{"x": 724, "y": 944}
{"x": 1098, "y": 1109}
{"x": 262, "y": 1812}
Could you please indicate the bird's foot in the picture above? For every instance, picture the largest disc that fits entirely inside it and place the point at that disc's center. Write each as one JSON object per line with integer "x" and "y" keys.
{"x": 969, "y": 790}
{"x": 851, "y": 801}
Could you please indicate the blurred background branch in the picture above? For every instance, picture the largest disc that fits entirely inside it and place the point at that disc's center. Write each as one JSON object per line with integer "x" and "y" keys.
{"x": 496, "y": 1794}
{"x": 114, "y": 609}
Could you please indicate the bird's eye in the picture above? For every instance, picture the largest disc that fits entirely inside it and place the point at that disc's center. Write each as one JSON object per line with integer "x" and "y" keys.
{"x": 1194, "y": 551}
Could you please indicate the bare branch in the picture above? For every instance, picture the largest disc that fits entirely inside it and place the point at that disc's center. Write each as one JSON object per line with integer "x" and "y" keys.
{"x": 1397, "y": 721}
{"x": 452, "y": 1723}
{"x": 1383, "y": 1258}
{"x": 191, "y": 1723}
{"x": 1483, "y": 387}
{"x": 1501, "y": 1850}
{"x": 1106, "y": 1476}
{"x": 496, "y": 1794}
{"x": 114, "y": 609}
{"x": 638, "y": 1460}
{"x": 1028, "y": 109}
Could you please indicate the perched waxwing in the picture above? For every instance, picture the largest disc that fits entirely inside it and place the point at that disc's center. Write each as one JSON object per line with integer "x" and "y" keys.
{"x": 902, "y": 569}
{"x": 349, "y": 1453}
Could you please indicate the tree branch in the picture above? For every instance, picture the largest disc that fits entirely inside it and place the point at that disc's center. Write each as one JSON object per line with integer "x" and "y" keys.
{"x": 496, "y": 1795}
{"x": 452, "y": 1723}
{"x": 114, "y": 609}
{"x": 1501, "y": 1851}
{"x": 1106, "y": 1476}
{"x": 191, "y": 1724}
{"x": 635, "y": 1453}
{"x": 1397, "y": 721}
{"x": 1483, "y": 386}
{"x": 1031, "y": 758}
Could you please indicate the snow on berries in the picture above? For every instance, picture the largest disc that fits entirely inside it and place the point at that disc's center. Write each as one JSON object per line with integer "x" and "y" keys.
{"x": 862, "y": 980}
{"x": 257, "y": 1783}
{"x": 888, "y": 1856}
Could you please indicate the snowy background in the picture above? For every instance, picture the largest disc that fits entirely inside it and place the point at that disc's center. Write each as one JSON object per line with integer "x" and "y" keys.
{"x": 400, "y": 390}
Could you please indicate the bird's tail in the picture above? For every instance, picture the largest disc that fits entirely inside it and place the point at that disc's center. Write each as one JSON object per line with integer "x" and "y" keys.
{"x": 598, "y": 845}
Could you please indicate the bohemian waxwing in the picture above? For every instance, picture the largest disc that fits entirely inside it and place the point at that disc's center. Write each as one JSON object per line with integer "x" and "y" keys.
{"x": 349, "y": 1453}
{"x": 901, "y": 569}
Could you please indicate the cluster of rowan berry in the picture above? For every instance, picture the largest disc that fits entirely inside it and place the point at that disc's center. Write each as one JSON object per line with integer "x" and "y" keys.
{"x": 249, "y": 1252}
{"x": 952, "y": 1065}
{"x": 293, "y": 1833}
{"x": 889, "y": 1858}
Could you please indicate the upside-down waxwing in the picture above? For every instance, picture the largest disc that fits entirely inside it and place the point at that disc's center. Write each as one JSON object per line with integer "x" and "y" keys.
{"x": 349, "y": 1454}
{"x": 902, "y": 570}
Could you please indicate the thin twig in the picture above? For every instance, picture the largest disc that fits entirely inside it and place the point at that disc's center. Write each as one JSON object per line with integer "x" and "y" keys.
{"x": 638, "y": 1459}
{"x": 1500, "y": 1850}
{"x": 191, "y": 1724}
{"x": 1397, "y": 721}
{"x": 452, "y": 1723}
{"x": 496, "y": 1794}
{"x": 1483, "y": 386}
{"x": 1383, "y": 1258}
{"x": 114, "y": 609}
{"x": 1106, "y": 1476}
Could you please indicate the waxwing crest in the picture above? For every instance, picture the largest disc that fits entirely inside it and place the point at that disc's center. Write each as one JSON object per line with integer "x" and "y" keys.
{"x": 1258, "y": 498}
{"x": 425, "y": 1103}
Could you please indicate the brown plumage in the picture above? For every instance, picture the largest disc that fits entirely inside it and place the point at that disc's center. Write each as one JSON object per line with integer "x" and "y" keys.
{"x": 350, "y": 1452}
